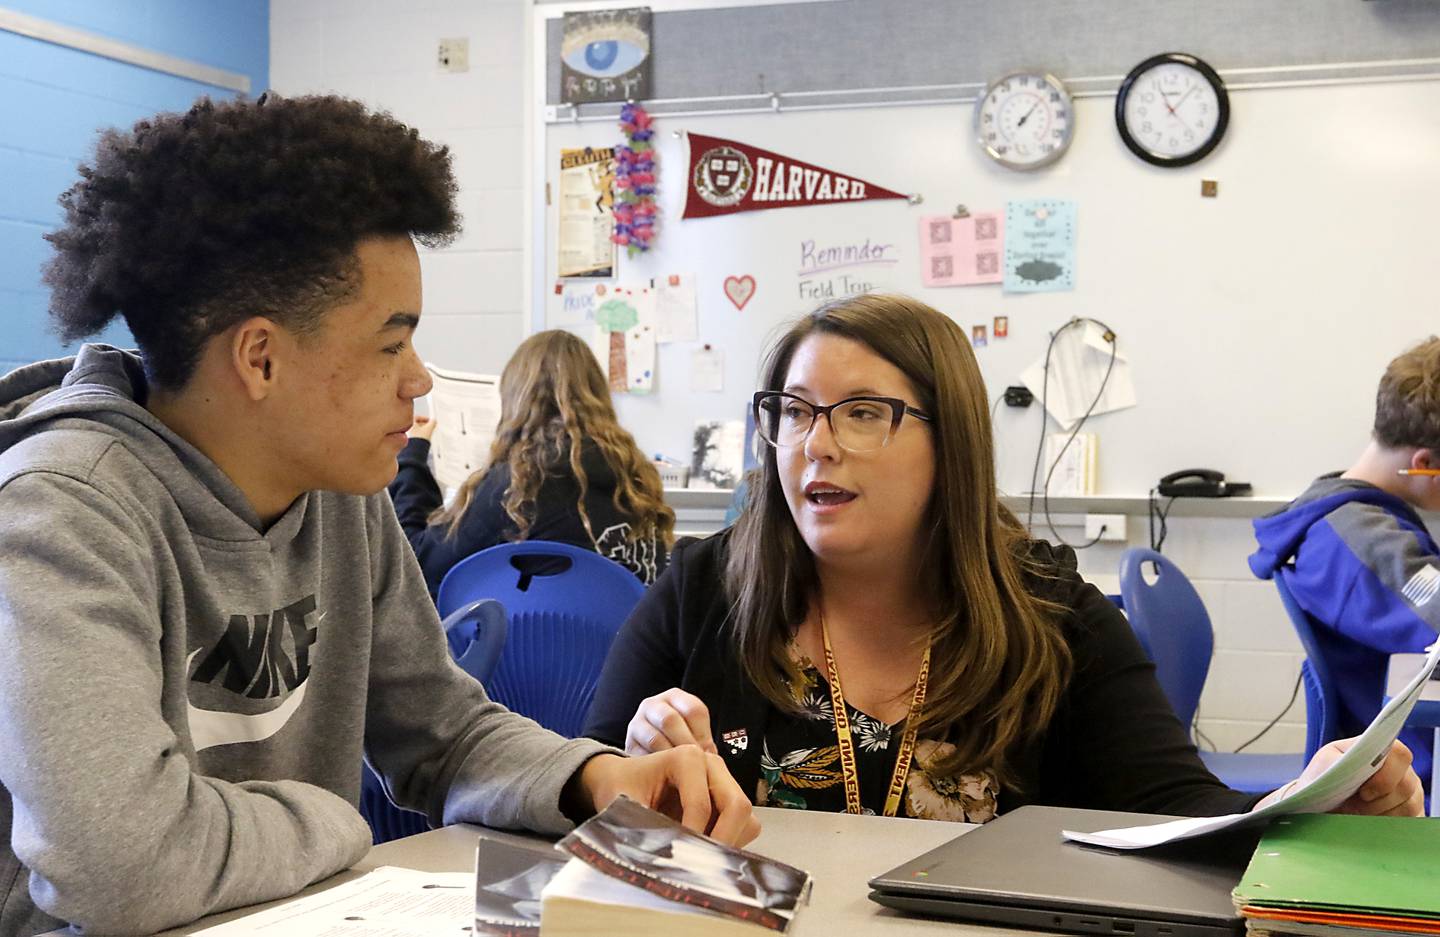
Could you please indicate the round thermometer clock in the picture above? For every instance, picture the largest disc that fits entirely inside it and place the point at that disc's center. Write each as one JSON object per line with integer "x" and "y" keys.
{"x": 1024, "y": 120}
{"x": 1172, "y": 109}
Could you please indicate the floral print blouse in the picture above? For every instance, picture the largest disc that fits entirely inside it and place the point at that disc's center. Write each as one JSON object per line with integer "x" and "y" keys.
{"x": 800, "y": 763}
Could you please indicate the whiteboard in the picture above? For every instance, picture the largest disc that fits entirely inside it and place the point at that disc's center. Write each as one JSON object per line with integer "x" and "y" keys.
{"x": 1257, "y": 323}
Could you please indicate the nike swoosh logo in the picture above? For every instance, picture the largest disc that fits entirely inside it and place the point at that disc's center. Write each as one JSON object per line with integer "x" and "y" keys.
{"x": 209, "y": 727}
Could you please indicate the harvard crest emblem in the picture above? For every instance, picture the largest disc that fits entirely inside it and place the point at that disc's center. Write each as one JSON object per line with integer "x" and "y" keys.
{"x": 737, "y": 739}
{"x": 722, "y": 176}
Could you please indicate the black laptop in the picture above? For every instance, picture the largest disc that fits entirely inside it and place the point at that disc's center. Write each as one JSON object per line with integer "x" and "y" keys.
{"x": 1017, "y": 871}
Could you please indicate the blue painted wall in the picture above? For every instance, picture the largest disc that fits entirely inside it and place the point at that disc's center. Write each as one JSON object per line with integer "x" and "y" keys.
{"x": 54, "y": 100}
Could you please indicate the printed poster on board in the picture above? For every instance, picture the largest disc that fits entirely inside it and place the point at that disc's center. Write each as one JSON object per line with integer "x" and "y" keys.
{"x": 961, "y": 251}
{"x": 605, "y": 56}
{"x": 587, "y": 219}
{"x": 727, "y": 176}
{"x": 1039, "y": 246}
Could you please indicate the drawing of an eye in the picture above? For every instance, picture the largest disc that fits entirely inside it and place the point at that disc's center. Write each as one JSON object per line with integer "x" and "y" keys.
{"x": 605, "y": 49}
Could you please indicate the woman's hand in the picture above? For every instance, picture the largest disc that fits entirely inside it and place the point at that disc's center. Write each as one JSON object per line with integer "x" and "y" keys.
{"x": 685, "y": 784}
{"x": 423, "y": 428}
{"x": 1393, "y": 790}
{"x": 668, "y": 720}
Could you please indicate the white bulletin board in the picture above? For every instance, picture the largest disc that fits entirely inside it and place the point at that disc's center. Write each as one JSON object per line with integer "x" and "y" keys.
{"x": 1256, "y": 323}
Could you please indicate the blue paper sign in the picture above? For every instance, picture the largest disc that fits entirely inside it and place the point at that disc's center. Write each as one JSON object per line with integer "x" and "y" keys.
{"x": 1039, "y": 245}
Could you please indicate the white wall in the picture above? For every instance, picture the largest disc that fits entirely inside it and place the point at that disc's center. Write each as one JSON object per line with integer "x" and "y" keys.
{"x": 384, "y": 52}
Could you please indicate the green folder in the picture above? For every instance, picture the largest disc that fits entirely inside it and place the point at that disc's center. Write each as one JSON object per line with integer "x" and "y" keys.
{"x": 1333, "y": 862}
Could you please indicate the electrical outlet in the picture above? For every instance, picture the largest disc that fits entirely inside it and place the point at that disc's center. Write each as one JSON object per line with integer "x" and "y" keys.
{"x": 454, "y": 55}
{"x": 1105, "y": 526}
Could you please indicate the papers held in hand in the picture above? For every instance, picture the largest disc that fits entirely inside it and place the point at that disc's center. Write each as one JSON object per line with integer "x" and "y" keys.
{"x": 636, "y": 871}
{"x": 1320, "y": 794}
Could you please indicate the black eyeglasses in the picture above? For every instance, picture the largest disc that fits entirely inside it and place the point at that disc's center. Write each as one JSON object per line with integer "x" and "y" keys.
{"x": 859, "y": 424}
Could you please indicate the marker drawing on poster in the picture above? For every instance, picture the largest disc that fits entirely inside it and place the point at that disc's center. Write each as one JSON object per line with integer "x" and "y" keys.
{"x": 833, "y": 269}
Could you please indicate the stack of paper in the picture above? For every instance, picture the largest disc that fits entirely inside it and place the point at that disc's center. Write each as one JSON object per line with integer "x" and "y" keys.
{"x": 1332, "y": 875}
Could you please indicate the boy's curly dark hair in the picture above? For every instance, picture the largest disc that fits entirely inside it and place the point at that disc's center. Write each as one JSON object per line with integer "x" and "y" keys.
{"x": 190, "y": 223}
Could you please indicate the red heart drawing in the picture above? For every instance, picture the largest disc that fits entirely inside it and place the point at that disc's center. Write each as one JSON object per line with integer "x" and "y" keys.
{"x": 739, "y": 289}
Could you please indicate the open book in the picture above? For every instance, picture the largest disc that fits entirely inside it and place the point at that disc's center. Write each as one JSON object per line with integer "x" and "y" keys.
{"x": 636, "y": 871}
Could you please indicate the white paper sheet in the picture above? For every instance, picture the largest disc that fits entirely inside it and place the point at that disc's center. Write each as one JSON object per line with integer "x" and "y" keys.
{"x": 676, "y": 311}
{"x": 1321, "y": 794}
{"x": 707, "y": 370}
{"x": 1077, "y": 366}
{"x": 466, "y": 408}
{"x": 385, "y": 902}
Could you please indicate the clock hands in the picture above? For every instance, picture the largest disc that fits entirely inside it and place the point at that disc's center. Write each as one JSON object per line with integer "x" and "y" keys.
{"x": 1027, "y": 115}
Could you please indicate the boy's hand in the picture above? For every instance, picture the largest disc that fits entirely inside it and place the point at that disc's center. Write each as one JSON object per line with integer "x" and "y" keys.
{"x": 423, "y": 428}
{"x": 683, "y": 783}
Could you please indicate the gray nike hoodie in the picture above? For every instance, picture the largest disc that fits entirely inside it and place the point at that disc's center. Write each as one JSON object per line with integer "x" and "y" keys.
{"x": 186, "y": 698}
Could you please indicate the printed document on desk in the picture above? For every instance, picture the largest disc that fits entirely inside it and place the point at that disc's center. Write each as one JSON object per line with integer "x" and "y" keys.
{"x": 466, "y": 409}
{"x": 386, "y": 902}
{"x": 1321, "y": 795}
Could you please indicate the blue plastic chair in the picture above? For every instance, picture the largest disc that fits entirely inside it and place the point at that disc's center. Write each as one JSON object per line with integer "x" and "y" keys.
{"x": 1320, "y": 728}
{"x": 1171, "y": 623}
{"x": 476, "y": 635}
{"x": 561, "y": 623}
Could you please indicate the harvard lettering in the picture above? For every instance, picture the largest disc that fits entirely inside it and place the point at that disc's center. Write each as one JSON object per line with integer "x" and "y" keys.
{"x": 777, "y": 181}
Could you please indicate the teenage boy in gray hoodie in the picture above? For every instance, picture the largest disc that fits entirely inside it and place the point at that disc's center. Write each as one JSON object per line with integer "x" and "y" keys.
{"x": 208, "y": 612}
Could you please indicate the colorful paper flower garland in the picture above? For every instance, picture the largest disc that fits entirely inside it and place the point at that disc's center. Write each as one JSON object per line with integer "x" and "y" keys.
{"x": 635, "y": 182}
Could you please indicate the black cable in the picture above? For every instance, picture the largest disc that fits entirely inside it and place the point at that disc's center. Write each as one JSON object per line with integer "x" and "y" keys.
{"x": 1294, "y": 694}
{"x": 1198, "y": 734}
{"x": 1040, "y": 445}
{"x": 1154, "y": 510}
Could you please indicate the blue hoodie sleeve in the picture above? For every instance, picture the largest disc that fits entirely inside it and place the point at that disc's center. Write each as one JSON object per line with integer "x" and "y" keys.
{"x": 1372, "y": 577}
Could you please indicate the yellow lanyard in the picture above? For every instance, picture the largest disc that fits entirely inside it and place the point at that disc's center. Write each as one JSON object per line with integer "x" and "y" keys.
{"x": 847, "y": 745}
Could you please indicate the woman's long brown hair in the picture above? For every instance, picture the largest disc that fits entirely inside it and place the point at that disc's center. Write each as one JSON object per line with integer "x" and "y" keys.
{"x": 999, "y": 661}
{"x": 553, "y": 397}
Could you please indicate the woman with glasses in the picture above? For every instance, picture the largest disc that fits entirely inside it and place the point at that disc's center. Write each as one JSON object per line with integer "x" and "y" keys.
{"x": 877, "y": 633}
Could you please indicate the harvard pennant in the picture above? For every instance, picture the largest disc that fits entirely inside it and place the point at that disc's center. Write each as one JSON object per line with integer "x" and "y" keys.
{"x": 728, "y": 177}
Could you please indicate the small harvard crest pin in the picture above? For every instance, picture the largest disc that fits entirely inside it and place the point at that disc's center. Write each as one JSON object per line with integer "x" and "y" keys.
{"x": 736, "y": 739}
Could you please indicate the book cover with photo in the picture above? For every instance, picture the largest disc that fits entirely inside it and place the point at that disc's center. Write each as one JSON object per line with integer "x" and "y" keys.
{"x": 643, "y": 849}
{"x": 508, "y": 881}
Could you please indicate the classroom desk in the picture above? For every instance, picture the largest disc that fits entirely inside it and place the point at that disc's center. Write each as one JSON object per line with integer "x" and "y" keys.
{"x": 841, "y": 851}
{"x": 1425, "y": 714}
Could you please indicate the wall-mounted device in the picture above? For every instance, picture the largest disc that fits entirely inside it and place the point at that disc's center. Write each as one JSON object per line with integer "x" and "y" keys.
{"x": 1200, "y": 483}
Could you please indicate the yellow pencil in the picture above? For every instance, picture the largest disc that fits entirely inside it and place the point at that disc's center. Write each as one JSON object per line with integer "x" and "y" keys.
{"x": 1419, "y": 472}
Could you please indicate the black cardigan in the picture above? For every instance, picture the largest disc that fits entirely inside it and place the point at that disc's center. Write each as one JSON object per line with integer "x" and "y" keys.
{"x": 1113, "y": 744}
{"x": 485, "y": 523}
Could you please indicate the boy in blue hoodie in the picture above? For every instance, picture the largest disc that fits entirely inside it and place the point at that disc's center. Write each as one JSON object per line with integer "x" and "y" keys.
{"x": 1361, "y": 560}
